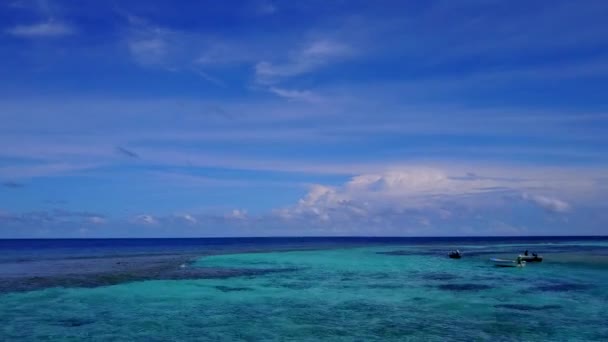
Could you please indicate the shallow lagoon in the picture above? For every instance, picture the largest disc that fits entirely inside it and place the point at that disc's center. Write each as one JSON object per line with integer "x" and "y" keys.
{"x": 395, "y": 292}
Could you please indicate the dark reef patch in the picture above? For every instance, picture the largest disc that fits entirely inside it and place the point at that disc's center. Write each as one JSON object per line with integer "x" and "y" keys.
{"x": 438, "y": 276}
{"x": 114, "y": 271}
{"x": 74, "y": 322}
{"x": 385, "y": 286}
{"x": 296, "y": 286}
{"x": 369, "y": 309}
{"x": 394, "y": 329}
{"x": 525, "y": 307}
{"x": 464, "y": 287}
{"x": 402, "y": 253}
{"x": 379, "y": 275}
{"x": 233, "y": 289}
{"x": 562, "y": 287}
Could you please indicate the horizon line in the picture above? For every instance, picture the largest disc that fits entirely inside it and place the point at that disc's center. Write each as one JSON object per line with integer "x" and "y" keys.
{"x": 314, "y": 237}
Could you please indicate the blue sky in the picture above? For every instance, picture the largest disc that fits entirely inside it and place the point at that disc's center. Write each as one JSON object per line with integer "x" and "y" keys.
{"x": 258, "y": 118}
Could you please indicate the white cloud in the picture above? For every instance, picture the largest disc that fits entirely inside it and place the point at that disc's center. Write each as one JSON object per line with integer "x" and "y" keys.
{"x": 45, "y": 169}
{"x": 414, "y": 192}
{"x": 187, "y": 218}
{"x": 47, "y": 29}
{"x": 152, "y": 45}
{"x": 313, "y": 56}
{"x": 297, "y": 95}
{"x": 501, "y": 228}
{"x": 145, "y": 220}
{"x": 325, "y": 49}
{"x": 216, "y": 52}
{"x": 237, "y": 214}
{"x": 211, "y": 79}
{"x": 548, "y": 203}
{"x": 266, "y": 7}
{"x": 96, "y": 220}
{"x": 148, "y": 50}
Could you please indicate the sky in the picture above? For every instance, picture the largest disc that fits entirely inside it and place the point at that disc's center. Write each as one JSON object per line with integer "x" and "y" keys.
{"x": 303, "y": 118}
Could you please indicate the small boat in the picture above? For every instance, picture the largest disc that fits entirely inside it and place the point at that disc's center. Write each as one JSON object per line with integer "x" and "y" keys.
{"x": 455, "y": 254}
{"x": 507, "y": 263}
{"x": 531, "y": 258}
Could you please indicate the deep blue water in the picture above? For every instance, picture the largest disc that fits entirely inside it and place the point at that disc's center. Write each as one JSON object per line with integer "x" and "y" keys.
{"x": 109, "y": 246}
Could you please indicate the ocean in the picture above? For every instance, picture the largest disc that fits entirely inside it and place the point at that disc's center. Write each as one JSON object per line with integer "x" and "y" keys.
{"x": 303, "y": 289}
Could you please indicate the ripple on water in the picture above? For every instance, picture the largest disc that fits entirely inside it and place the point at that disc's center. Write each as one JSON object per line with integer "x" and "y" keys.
{"x": 232, "y": 289}
{"x": 74, "y": 322}
{"x": 296, "y": 285}
{"x": 385, "y": 286}
{"x": 407, "y": 253}
{"x": 464, "y": 287}
{"x": 425, "y": 299}
{"x": 562, "y": 287}
{"x": 438, "y": 276}
{"x": 526, "y": 307}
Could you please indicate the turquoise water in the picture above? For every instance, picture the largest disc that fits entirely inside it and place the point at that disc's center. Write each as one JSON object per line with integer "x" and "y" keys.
{"x": 354, "y": 294}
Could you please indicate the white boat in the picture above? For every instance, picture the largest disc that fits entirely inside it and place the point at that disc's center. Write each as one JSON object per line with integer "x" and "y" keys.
{"x": 507, "y": 263}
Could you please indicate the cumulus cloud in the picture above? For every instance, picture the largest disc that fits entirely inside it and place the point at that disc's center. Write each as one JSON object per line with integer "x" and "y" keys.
{"x": 548, "y": 203}
{"x": 187, "y": 218}
{"x": 47, "y": 29}
{"x": 237, "y": 214}
{"x": 420, "y": 195}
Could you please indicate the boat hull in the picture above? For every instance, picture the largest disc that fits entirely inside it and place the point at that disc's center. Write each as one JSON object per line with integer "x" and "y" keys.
{"x": 531, "y": 258}
{"x": 507, "y": 263}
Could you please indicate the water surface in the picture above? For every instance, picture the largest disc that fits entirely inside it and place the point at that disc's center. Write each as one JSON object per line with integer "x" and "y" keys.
{"x": 306, "y": 290}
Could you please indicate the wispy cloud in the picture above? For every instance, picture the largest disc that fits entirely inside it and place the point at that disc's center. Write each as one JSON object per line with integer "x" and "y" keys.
{"x": 149, "y": 46}
{"x": 298, "y": 95}
{"x": 548, "y": 203}
{"x": 127, "y": 153}
{"x": 97, "y": 220}
{"x": 227, "y": 52}
{"x": 52, "y": 27}
{"x": 206, "y": 76}
{"x": 42, "y": 217}
{"x": 13, "y": 185}
{"x": 49, "y": 29}
{"x": 266, "y": 7}
{"x": 192, "y": 181}
{"x": 145, "y": 219}
{"x": 45, "y": 170}
{"x": 315, "y": 55}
